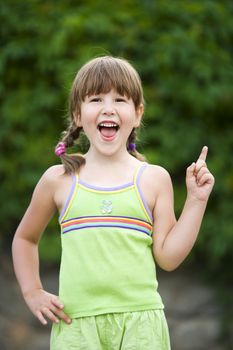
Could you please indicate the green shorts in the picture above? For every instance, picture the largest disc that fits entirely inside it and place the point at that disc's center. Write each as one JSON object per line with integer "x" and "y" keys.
{"x": 144, "y": 330}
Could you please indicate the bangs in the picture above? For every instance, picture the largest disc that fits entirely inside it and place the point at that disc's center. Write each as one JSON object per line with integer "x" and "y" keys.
{"x": 105, "y": 73}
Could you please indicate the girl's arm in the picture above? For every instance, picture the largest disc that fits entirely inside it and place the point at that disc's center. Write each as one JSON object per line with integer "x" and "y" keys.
{"x": 173, "y": 240}
{"x": 25, "y": 251}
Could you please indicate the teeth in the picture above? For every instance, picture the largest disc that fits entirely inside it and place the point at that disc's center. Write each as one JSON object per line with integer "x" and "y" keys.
{"x": 108, "y": 125}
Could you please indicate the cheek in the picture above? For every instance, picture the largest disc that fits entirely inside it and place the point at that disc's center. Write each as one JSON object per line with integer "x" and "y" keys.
{"x": 88, "y": 113}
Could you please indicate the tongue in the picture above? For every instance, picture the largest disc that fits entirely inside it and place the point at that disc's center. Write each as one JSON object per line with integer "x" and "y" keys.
{"x": 108, "y": 132}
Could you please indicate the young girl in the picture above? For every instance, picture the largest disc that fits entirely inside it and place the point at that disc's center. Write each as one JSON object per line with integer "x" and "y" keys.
{"x": 117, "y": 220}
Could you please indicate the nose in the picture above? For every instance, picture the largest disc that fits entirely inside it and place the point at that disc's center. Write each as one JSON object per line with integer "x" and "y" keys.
{"x": 108, "y": 109}
{"x": 108, "y": 112}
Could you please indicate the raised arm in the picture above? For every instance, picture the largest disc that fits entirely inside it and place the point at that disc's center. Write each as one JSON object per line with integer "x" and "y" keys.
{"x": 25, "y": 251}
{"x": 173, "y": 244}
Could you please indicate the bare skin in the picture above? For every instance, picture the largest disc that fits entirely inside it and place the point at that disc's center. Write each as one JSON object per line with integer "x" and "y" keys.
{"x": 25, "y": 248}
{"x": 172, "y": 239}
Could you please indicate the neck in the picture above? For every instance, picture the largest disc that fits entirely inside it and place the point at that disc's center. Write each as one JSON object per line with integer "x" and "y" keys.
{"x": 105, "y": 160}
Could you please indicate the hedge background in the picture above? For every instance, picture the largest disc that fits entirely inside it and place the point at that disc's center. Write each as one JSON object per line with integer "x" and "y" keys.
{"x": 183, "y": 52}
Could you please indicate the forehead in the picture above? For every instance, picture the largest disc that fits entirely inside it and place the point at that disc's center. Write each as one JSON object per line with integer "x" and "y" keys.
{"x": 103, "y": 84}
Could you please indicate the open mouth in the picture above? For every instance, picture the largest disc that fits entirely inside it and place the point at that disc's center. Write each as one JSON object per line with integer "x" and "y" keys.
{"x": 108, "y": 129}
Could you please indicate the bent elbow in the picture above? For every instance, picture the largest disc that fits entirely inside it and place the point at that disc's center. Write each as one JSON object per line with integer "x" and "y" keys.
{"x": 167, "y": 266}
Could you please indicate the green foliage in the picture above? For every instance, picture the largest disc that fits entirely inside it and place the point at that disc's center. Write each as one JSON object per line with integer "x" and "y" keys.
{"x": 183, "y": 52}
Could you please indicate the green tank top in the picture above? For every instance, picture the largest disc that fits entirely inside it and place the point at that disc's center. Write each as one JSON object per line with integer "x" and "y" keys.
{"x": 107, "y": 263}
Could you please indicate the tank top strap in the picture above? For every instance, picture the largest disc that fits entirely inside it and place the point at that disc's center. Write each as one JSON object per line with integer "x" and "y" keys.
{"x": 139, "y": 171}
{"x": 70, "y": 197}
{"x": 140, "y": 194}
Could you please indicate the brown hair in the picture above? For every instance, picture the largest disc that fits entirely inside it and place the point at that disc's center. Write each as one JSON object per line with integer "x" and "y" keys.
{"x": 100, "y": 75}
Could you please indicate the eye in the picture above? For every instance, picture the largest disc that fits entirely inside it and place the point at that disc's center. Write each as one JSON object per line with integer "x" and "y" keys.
{"x": 95, "y": 99}
{"x": 120, "y": 99}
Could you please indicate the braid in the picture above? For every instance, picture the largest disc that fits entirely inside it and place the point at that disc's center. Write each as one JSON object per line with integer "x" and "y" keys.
{"x": 71, "y": 134}
{"x": 71, "y": 162}
{"x": 132, "y": 150}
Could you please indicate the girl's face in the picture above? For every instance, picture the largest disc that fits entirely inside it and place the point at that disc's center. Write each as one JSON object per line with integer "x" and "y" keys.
{"x": 107, "y": 120}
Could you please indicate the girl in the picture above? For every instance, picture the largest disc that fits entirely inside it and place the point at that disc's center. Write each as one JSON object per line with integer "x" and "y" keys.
{"x": 116, "y": 218}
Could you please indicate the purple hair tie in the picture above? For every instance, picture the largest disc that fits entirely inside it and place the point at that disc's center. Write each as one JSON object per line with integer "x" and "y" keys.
{"x": 131, "y": 146}
{"x": 60, "y": 149}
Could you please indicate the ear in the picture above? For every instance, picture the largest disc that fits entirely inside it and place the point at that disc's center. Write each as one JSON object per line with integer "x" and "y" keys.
{"x": 139, "y": 114}
{"x": 77, "y": 119}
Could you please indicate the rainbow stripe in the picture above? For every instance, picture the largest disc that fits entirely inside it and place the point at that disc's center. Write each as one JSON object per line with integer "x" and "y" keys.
{"x": 122, "y": 222}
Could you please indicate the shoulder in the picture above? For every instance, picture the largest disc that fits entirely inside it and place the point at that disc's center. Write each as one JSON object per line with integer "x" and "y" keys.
{"x": 158, "y": 180}
{"x": 156, "y": 174}
{"x": 154, "y": 183}
{"x": 51, "y": 177}
{"x": 53, "y": 181}
{"x": 54, "y": 172}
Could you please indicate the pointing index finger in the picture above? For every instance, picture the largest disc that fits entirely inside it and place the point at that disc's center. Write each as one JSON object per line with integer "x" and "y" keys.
{"x": 203, "y": 153}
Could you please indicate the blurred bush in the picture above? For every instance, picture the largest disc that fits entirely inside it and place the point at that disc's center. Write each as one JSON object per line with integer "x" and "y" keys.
{"x": 183, "y": 52}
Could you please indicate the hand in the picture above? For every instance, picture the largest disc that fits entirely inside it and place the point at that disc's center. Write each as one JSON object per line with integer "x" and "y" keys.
{"x": 199, "y": 180}
{"x": 43, "y": 304}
